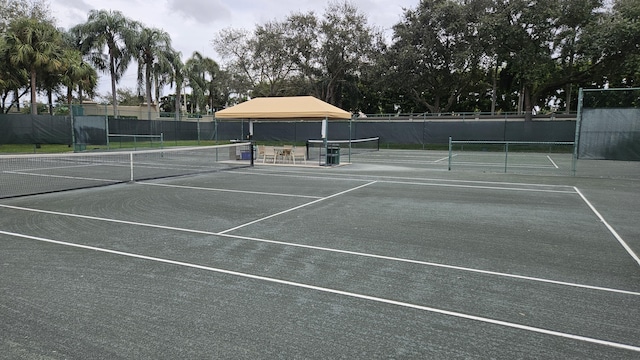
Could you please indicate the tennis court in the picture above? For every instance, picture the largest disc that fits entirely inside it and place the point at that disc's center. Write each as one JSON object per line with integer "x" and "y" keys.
{"x": 391, "y": 256}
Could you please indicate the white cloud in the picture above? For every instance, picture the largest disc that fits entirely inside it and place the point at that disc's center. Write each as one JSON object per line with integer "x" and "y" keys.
{"x": 202, "y": 11}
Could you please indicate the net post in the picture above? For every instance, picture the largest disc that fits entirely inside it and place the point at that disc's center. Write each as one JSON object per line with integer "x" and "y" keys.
{"x": 450, "y": 151}
{"x": 251, "y": 147}
{"x": 506, "y": 155}
{"x": 131, "y": 165}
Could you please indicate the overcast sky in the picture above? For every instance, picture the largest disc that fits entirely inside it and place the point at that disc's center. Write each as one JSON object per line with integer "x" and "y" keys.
{"x": 192, "y": 24}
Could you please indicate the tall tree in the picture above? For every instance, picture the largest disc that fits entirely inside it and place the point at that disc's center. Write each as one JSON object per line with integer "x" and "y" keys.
{"x": 347, "y": 45}
{"x": 177, "y": 77}
{"x": 109, "y": 38}
{"x": 435, "y": 53}
{"x": 540, "y": 42}
{"x": 35, "y": 46}
{"x": 234, "y": 47}
{"x": 303, "y": 55}
{"x": 153, "y": 55}
{"x": 77, "y": 74}
{"x": 11, "y": 10}
{"x": 613, "y": 42}
{"x": 11, "y": 78}
{"x": 273, "y": 61}
{"x": 202, "y": 73}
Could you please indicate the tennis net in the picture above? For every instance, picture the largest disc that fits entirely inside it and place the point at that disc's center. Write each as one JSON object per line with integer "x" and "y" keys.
{"x": 534, "y": 157}
{"x": 316, "y": 148}
{"x": 22, "y": 175}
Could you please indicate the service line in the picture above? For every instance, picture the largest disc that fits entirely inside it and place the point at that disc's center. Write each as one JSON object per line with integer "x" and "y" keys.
{"x": 295, "y": 208}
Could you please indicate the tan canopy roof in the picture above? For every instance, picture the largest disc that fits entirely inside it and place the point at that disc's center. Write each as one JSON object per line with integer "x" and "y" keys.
{"x": 294, "y": 107}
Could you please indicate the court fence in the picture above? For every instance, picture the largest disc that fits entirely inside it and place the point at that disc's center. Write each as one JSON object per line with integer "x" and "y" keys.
{"x": 415, "y": 133}
{"x": 608, "y": 125}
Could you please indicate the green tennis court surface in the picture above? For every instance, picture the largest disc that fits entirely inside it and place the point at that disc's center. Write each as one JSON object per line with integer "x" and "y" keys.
{"x": 392, "y": 256}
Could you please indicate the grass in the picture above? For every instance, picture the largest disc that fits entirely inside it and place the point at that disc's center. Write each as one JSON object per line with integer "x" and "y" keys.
{"x": 34, "y": 148}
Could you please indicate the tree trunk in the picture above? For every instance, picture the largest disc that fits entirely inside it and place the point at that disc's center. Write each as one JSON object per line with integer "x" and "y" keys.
{"x": 34, "y": 105}
{"x": 494, "y": 95}
{"x": 69, "y": 95}
{"x": 528, "y": 105}
{"x": 148, "y": 91}
{"x": 178, "y": 108}
{"x": 569, "y": 94}
{"x": 16, "y": 99}
{"x": 50, "y": 101}
{"x": 112, "y": 69}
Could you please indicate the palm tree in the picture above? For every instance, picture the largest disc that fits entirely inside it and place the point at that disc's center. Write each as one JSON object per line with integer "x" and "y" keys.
{"x": 211, "y": 69}
{"x": 177, "y": 76}
{"x": 78, "y": 74}
{"x": 153, "y": 51}
{"x": 111, "y": 31}
{"x": 11, "y": 78}
{"x": 193, "y": 72}
{"x": 202, "y": 72}
{"x": 35, "y": 46}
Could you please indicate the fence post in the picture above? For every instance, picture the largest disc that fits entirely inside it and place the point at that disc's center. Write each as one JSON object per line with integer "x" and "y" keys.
{"x": 576, "y": 141}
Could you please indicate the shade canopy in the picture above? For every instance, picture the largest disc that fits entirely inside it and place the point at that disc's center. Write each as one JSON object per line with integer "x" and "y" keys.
{"x": 292, "y": 107}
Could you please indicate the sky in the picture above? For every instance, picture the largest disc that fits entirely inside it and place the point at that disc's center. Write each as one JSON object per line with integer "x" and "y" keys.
{"x": 192, "y": 24}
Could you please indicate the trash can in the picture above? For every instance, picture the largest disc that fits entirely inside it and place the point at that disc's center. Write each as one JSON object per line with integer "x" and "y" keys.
{"x": 333, "y": 155}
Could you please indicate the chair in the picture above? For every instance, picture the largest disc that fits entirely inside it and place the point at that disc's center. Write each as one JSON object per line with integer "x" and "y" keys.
{"x": 286, "y": 152}
{"x": 266, "y": 152}
{"x": 300, "y": 153}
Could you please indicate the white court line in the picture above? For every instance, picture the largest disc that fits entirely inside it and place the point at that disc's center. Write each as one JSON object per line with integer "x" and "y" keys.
{"x": 446, "y": 158}
{"x": 480, "y": 187}
{"x": 295, "y": 208}
{"x": 497, "y": 164}
{"x": 609, "y": 227}
{"x": 425, "y": 182}
{"x": 344, "y": 293}
{"x": 553, "y": 162}
{"x": 346, "y": 252}
{"x": 228, "y": 190}
{"x": 353, "y": 177}
{"x": 398, "y": 161}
